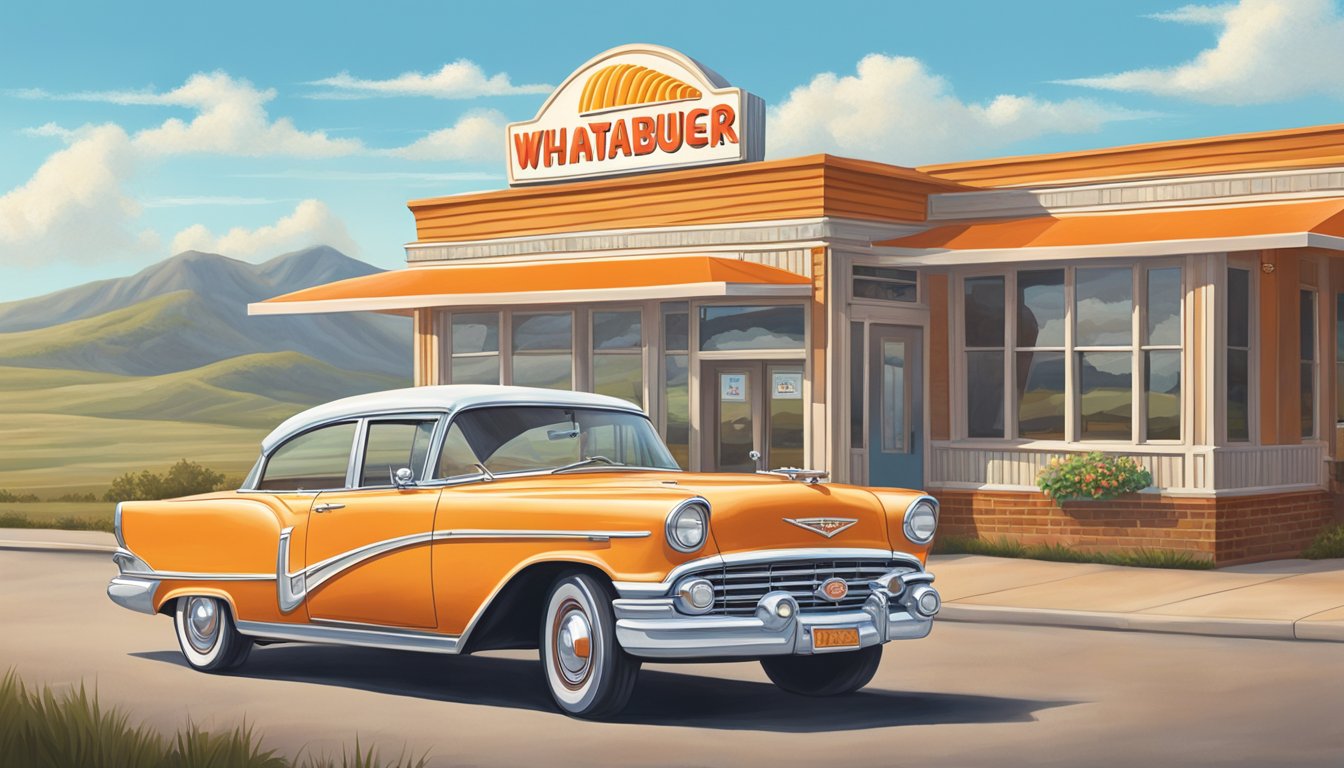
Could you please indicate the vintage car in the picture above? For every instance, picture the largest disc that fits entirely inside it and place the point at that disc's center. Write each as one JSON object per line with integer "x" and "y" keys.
{"x": 455, "y": 519}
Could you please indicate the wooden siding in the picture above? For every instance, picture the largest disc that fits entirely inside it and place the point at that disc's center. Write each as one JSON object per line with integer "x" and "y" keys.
{"x": 1280, "y": 395}
{"x": 1318, "y": 146}
{"x": 940, "y": 381}
{"x": 797, "y": 188}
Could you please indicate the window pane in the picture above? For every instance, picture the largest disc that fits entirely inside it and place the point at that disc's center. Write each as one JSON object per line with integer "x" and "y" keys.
{"x": 617, "y": 330}
{"x": 1162, "y": 387}
{"x": 509, "y": 439}
{"x": 476, "y": 332}
{"x": 984, "y": 311}
{"x": 1238, "y": 395}
{"x": 619, "y": 376}
{"x": 1308, "y": 399}
{"x": 856, "y": 348}
{"x": 1104, "y": 307}
{"x": 1339, "y": 391}
{"x": 884, "y": 291}
{"x": 676, "y": 399}
{"x": 1040, "y": 395}
{"x": 549, "y": 371}
{"x": 314, "y": 460}
{"x": 761, "y": 327}
{"x": 893, "y": 397}
{"x": 1306, "y": 311}
{"x": 475, "y": 370}
{"x": 1164, "y": 306}
{"x": 984, "y": 394}
{"x": 1106, "y": 399}
{"x": 886, "y": 273}
{"x": 548, "y": 331}
{"x": 392, "y": 445}
{"x": 1040, "y": 314}
{"x": 1238, "y": 308}
{"x": 456, "y": 457}
{"x": 785, "y": 438}
{"x": 676, "y": 331}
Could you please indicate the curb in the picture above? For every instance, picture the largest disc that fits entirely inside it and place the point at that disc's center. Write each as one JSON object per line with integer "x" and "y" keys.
{"x": 1257, "y": 629}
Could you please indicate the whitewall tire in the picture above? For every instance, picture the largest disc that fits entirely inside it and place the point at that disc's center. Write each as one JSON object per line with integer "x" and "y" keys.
{"x": 207, "y": 636}
{"x": 587, "y": 673}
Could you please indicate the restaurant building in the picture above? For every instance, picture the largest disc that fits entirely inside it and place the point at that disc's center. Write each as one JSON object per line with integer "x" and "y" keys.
{"x": 953, "y": 327}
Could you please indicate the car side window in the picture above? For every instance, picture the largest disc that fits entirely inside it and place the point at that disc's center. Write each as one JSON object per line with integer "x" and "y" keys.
{"x": 314, "y": 461}
{"x": 393, "y": 445}
{"x": 456, "y": 458}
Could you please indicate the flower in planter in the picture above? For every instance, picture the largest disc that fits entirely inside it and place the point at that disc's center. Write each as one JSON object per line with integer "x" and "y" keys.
{"x": 1092, "y": 476}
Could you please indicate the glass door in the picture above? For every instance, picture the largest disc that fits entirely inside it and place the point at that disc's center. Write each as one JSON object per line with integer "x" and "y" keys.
{"x": 895, "y": 407}
{"x": 752, "y": 406}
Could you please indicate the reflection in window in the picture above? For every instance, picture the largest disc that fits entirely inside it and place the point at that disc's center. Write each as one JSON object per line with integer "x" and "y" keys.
{"x": 1040, "y": 313}
{"x": 893, "y": 397}
{"x": 475, "y": 348}
{"x": 543, "y": 350}
{"x": 1104, "y": 320}
{"x": 1040, "y": 343}
{"x": 1105, "y": 386}
{"x": 618, "y": 355}
{"x": 393, "y": 445}
{"x": 1238, "y": 355}
{"x": 315, "y": 460}
{"x": 784, "y": 439}
{"x": 856, "y": 355}
{"x": 724, "y": 328}
{"x": 676, "y": 381}
{"x": 1162, "y": 354}
{"x": 1162, "y": 388}
{"x": 884, "y": 283}
{"x": 983, "y": 322}
{"x": 1040, "y": 395}
{"x": 1307, "y": 355}
{"x": 1104, "y": 307}
{"x": 456, "y": 457}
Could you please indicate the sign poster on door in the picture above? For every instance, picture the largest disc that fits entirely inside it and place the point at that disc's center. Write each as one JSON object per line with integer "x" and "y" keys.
{"x": 733, "y": 387}
{"x": 787, "y": 386}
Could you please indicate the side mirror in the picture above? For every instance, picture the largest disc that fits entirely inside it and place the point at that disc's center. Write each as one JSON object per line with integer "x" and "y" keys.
{"x": 403, "y": 477}
{"x": 756, "y": 457}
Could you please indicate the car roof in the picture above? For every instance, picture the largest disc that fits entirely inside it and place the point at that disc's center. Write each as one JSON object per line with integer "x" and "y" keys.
{"x": 448, "y": 397}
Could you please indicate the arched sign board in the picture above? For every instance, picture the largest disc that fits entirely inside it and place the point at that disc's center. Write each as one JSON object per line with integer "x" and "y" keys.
{"x": 634, "y": 109}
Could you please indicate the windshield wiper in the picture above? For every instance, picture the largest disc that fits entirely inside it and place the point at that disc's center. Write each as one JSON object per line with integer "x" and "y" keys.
{"x": 586, "y": 461}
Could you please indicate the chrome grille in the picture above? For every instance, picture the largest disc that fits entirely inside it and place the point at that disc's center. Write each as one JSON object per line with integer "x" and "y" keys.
{"x": 738, "y": 588}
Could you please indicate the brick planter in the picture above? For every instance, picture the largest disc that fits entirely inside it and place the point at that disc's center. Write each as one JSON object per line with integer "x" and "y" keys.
{"x": 1226, "y": 530}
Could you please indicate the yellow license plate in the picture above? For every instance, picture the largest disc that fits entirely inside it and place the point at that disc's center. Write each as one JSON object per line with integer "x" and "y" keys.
{"x": 835, "y": 638}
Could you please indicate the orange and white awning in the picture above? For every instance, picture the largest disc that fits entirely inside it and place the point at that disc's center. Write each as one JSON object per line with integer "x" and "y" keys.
{"x": 558, "y": 282}
{"x": 1297, "y": 224}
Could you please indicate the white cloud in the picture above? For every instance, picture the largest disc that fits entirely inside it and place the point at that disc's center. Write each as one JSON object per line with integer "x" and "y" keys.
{"x": 476, "y": 136}
{"x": 1267, "y": 51}
{"x": 311, "y": 223}
{"x": 893, "y": 109}
{"x": 48, "y": 130}
{"x": 461, "y": 79}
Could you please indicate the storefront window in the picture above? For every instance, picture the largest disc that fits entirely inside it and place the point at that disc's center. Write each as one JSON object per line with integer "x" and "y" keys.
{"x": 731, "y": 328}
{"x": 1162, "y": 354}
{"x": 1104, "y": 312}
{"x": 676, "y": 382}
{"x": 543, "y": 350}
{"x": 1307, "y": 338}
{"x": 856, "y": 356}
{"x": 1238, "y": 355}
{"x": 984, "y": 342}
{"x": 1339, "y": 357}
{"x": 618, "y": 355}
{"x": 475, "y": 348}
{"x": 885, "y": 283}
{"x": 1040, "y": 354}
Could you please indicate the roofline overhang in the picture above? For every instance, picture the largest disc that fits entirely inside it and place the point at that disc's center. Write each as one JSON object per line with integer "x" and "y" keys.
{"x": 935, "y": 257}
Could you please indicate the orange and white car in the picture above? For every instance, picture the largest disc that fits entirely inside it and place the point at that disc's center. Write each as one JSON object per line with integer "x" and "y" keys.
{"x": 457, "y": 519}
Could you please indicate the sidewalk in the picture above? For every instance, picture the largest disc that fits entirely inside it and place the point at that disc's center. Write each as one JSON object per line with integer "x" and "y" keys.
{"x": 1280, "y": 600}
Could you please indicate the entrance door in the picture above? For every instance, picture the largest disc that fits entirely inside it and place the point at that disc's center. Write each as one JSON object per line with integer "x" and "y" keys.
{"x": 752, "y": 406}
{"x": 895, "y": 406}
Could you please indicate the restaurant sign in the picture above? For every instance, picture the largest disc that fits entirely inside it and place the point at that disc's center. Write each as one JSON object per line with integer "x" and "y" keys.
{"x": 634, "y": 109}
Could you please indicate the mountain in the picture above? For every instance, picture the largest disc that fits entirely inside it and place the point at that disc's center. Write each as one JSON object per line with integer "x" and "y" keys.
{"x": 191, "y": 310}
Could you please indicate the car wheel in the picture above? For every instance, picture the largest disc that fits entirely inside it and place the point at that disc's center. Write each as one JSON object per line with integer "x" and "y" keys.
{"x": 588, "y": 674}
{"x": 827, "y": 674}
{"x": 207, "y": 636}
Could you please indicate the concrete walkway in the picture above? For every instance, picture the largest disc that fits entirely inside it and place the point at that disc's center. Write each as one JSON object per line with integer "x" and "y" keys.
{"x": 1281, "y": 599}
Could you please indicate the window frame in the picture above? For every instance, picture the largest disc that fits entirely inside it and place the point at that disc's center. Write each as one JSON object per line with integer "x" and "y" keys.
{"x": 501, "y": 328}
{"x": 918, "y": 283}
{"x": 1251, "y": 266}
{"x": 356, "y": 470}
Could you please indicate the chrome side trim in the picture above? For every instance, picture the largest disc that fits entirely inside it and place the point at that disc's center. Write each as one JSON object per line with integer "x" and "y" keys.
{"x": 510, "y": 534}
{"x": 319, "y": 573}
{"x": 638, "y": 589}
{"x": 390, "y": 638}
{"x": 116, "y": 526}
{"x": 194, "y": 576}
{"x": 290, "y": 588}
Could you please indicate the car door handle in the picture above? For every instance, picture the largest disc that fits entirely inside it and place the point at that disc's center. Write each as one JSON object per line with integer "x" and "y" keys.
{"x": 320, "y": 508}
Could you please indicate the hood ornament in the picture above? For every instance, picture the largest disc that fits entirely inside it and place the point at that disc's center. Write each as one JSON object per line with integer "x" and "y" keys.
{"x": 826, "y": 526}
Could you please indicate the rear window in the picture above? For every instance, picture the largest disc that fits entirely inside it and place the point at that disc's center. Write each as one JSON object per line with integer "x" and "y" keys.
{"x": 313, "y": 461}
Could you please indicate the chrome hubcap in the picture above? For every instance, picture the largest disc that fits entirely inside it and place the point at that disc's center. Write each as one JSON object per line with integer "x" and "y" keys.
{"x": 202, "y": 623}
{"x": 574, "y": 646}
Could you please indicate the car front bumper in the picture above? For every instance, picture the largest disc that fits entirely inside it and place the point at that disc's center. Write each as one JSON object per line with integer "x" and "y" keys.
{"x": 653, "y": 628}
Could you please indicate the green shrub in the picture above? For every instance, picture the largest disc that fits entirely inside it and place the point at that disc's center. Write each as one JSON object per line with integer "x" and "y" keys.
{"x": 182, "y": 479}
{"x": 8, "y": 497}
{"x": 1092, "y": 476}
{"x": 63, "y": 523}
{"x": 79, "y": 498}
{"x": 1004, "y": 547}
{"x": 1327, "y": 544}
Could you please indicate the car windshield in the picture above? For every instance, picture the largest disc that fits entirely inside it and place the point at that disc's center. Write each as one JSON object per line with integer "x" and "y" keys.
{"x": 529, "y": 438}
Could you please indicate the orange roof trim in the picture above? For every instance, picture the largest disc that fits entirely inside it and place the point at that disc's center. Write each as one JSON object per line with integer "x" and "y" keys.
{"x": 1280, "y": 225}
{"x": 564, "y": 282}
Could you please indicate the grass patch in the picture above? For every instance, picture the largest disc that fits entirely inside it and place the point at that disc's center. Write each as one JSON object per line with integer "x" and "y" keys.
{"x": 1328, "y": 544}
{"x": 40, "y": 728}
{"x": 1003, "y": 547}
{"x": 65, "y": 516}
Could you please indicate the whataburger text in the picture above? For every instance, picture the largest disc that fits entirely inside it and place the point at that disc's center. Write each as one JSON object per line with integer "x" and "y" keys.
{"x": 603, "y": 140}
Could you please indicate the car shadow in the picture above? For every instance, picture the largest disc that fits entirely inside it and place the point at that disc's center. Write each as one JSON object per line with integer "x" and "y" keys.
{"x": 663, "y": 696}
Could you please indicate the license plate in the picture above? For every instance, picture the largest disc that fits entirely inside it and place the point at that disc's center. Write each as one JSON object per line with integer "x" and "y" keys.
{"x": 835, "y": 638}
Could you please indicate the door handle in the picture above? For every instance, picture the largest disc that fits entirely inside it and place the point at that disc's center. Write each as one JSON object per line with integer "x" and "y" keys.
{"x": 320, "y": 508}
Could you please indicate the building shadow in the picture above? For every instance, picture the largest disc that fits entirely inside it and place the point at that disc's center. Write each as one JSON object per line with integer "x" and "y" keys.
{"x": 663, "y": 695}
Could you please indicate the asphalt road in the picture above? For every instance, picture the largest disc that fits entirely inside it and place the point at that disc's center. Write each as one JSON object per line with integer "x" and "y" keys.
{"x": 968, "y": 695}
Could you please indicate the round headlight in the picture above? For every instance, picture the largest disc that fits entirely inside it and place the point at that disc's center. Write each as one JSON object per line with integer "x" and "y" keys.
{"x": 688, "y": 525}
{"x": 921, "y": 520}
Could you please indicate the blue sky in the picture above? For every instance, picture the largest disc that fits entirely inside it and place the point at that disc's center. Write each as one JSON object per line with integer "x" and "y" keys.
{"x": 135, "y": 130}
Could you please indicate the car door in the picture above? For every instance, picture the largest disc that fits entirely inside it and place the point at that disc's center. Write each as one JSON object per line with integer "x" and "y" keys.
{"x": 368, "y": 553}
